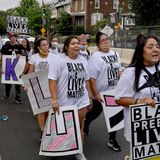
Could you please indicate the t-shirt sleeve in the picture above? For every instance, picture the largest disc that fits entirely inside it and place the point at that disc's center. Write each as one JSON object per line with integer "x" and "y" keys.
{"x": 93, "y": 67}
{"x": 87, "y": 73}
{"x": 125, "y": 86}
{"x": 54, "y": 69}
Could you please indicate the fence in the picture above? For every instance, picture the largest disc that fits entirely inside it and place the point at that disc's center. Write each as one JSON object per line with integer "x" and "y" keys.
{"x": 126, "y": 38}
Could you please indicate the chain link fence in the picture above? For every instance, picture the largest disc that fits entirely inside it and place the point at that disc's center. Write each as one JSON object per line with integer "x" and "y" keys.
{"x": 126, "y": 38}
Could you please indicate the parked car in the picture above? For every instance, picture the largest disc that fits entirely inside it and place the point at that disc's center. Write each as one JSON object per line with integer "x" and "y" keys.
{"x": 4, "y": 40}
{"x": 30, "y": 38}
{"x": 20, "y": 37}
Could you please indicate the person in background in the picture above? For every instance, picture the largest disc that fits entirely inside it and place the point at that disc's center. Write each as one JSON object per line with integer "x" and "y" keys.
{"x": 12, "y": 48}
{"x": 25, "y": 52}
{"x": 83, "y": 46}
{"x": 104, "y": 72}
{"x": 88, "y": 39}
{"x": 40, "y": 61}
{"x": 54, "y": 45}
{"x": 62, "y": 77}
{"x": 137, "y": 83}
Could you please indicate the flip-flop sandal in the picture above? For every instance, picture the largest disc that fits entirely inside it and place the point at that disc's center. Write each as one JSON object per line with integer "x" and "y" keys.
{"x": 4, "y": 118}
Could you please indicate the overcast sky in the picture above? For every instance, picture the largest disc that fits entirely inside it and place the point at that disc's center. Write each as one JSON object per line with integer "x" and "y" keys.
{"x": 6, "y": 4}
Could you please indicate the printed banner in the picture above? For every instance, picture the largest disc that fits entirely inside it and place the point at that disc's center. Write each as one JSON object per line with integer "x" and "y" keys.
{"x": 17, "y": 24}
{"x": 38, "y": 91}
{"x": 62, "y": 135}
{"x": 145, "y": 131}
{"x": 113, "y": 113}
{"x": 12, "y": 68}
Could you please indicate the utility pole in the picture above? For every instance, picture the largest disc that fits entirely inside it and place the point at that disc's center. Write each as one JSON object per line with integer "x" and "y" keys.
{"x": 43, "y": 29}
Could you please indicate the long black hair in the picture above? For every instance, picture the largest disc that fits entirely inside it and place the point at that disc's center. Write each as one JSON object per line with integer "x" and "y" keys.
{"x": 138, "y": 60}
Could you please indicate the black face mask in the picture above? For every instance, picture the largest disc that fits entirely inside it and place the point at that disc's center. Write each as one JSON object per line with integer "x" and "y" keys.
{"x": 153, "y": 80}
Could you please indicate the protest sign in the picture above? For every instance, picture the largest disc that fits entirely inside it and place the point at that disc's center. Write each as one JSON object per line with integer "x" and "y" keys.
{"x": 112, "y": 112}
{"x": 145, "y": 131}
{"x": 62, "y": 135}
{"x": 12, "y": 68}
{"x": 38, "y": 91}
{"x": 17, "y": 24}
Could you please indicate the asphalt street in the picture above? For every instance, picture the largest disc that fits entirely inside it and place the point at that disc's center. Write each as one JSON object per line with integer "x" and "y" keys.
{"x": 19, "y": 135}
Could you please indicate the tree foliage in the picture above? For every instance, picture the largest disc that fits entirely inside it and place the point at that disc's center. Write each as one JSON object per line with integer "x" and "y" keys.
{"x": 64, "y": 24}
{"x": 146, "y": 12}
{"x": 32, "y": 10}
{"x": 3, "y": 22}
{"x": 100, "y": 24}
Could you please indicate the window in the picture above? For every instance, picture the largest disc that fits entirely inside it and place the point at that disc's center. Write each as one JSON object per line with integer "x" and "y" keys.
{"x": 82, "y": 4}
{"x": 80, "y": 21}
{"x": 97, "y": 3}
{"x": 76, "y": 5}
{"x": 96, "y": 17}
{"x": 115, "y": 4}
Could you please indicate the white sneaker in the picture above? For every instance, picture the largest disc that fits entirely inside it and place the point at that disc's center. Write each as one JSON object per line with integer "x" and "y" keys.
{"x": 127, "y": 157}
{"x": 80, "y": 156}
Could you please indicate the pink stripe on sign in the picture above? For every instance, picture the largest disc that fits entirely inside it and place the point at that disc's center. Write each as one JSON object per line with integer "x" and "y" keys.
{"x": 110, "y": 101}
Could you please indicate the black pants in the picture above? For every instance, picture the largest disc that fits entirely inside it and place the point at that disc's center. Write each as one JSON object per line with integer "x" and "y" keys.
{"x": 17, "y": 90}
{"x": 93, "y": 114}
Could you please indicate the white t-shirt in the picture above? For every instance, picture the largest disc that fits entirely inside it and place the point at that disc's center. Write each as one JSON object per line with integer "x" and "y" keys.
{"x": 104, "y": 68}
{"x": 84, "y": 54}
{"x": 54, "y": 51}
{"x": 70, "y": 75}
{"x": 125, "y": 88}
{"x": 39, "y": 62}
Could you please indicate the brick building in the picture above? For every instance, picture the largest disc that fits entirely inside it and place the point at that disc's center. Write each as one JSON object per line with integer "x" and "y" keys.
{"x": 85, "y": 13}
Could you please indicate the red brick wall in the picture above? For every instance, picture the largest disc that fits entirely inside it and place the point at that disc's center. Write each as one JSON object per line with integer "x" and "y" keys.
{"x": 106, "y": 7}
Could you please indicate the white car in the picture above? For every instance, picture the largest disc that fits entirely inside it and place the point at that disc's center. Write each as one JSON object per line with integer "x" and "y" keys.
{"x": 20, "y": 37}
{"x": 4, "y": 40}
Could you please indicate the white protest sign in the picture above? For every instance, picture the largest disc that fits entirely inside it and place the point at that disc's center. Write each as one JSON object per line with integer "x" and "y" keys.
{"x": 12, "y": 68}
{"x": 113, "y": 113}
{"x": 145, "y": 131}
{"x": 38, "y": 91}
{"x": 62, "y": 135}
{"x": 107, "y": 30}
{"x": 17, "y": 24}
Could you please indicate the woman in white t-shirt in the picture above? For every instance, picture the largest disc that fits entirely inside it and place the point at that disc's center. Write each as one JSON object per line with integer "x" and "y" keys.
{"x": 134, "y": 86}
{"x": 38, "y": 62}
{"x": 68, "y": 81}
{"x": 104, "y": 72}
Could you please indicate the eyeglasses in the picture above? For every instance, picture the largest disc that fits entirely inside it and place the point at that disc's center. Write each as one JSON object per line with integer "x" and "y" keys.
{"x": 104, "y": 40}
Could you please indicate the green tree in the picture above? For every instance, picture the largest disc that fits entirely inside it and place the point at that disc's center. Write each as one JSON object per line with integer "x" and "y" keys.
{"x": 32, "y": 10}
{"x": 100, "y": 24}
{"x": 3, "y": 22}
{"x": 146, "y": 12}
{"x": 64, "y": 24}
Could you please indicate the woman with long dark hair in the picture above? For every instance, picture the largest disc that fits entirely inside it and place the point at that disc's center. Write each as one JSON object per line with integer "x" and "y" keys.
{"x": 138, "y": 83}
{"x": 63, "y": 75}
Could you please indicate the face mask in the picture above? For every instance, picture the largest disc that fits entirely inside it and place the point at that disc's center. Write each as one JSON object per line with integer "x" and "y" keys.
{"x": 83, "y": 47}
{"x": 54, "y": 44}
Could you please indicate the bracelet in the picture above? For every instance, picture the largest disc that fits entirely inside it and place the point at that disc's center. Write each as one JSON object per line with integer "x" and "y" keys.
{"x": 136, "y": 101}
